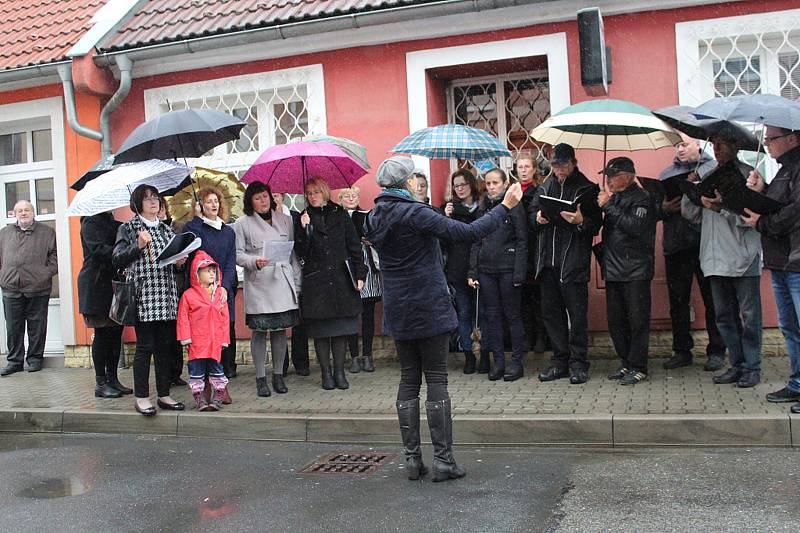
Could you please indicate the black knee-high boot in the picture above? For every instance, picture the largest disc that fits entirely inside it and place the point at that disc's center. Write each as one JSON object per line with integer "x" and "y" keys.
{"x": 339, "y": 349}
{"x": 408, "y": 416}
{"x": 440, "y": 423}
{"x": 323, "y": 349}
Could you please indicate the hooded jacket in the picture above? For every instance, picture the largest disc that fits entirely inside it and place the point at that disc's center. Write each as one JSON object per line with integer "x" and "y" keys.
{"x": 679, "y": 233}
{"x": 567, "y": 250}
{"x": 416, "y": 300}
{"x": 780, "y": 231}
{"x": 203, "y": 320}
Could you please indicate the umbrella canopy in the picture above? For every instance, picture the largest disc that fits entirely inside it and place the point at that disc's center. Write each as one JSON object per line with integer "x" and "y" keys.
{"x": 351, "y": 148}
{"x": 98, "y": 169}
{"x": 768, "y": 109}
{"x": 113, "y": 189}
{"x": 181, "y": 202}
{"x": 606, "y": 125}
{"x": 452, "y": 141}
{"x": 186, "y": 133}
{"x": 682, "y": 119}
{"x": 287, "y": 167}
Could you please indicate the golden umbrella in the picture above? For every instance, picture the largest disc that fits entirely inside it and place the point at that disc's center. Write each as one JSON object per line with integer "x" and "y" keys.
{"x": 180, "y": 204}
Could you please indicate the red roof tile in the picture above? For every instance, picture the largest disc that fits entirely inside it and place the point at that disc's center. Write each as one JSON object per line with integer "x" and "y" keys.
{"x": 34, "y": 32}
{"x": 162, "y": 21}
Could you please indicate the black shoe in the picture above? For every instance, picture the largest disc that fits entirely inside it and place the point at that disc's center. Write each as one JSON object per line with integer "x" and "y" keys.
{"x": 619, "y": 373}
{"x": 114, "y": 382}
{"x": 278, "y": 384}
{"x": 149, "y": 411}
{"x": 469, "y": 362}
{"x": 178, "y": 382}
{"x": 177, "y": 406}
{"x": 327, "y": 379}
{"x": 367, "y": 364}
{"x": 484, "y": 364}
{"x": 340, "y": 380}
{"x": 302, "y": 371}
{"x": 749, "y": 378}
{"x": 783, "y": 396}
{"x": 632, "y": 378}
{"x": 102, "y": 389}
{"x": 355, "y": 365}
{"x": 578, "y": 376}
{"x": 262, "y": 389}
{"x": 678, "y": 360}
{"x": 714, "y": 363}
{"x": 795, "y": 408}
{"x": 34, "y": 367}
{"x": 514, "y": 372}
{"x": 731, "y": 375}
{"x": 553, "y": 373}
{"x": 8, "y": 370}
{"x": 496, "y": 373}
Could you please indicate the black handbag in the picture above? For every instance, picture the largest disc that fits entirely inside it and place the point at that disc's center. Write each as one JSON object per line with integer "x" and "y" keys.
{"x": 123, "y": 309}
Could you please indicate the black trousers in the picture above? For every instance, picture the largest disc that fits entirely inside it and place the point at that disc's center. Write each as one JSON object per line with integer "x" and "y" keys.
{"x": 564, "y": 311}
{"x": 228, "y": 358}
{"x": 153, "y": 338}
{"x": 681, "y": 268}
{"x": 417, "y": 356}
{"x": 176, "y": 350}
{"x": 30, "y": 311}
{"x": 106, "y": 347}
{"x": 628, "y": 310}
{"x": 367, "y": 330}
{"x": 299, "y": 347}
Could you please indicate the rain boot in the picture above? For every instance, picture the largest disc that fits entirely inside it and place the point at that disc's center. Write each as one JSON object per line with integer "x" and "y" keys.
{"x": 469, "y": 362}
{"x": 440, "y": 423}
{"x": 484, "y": 365}
{"x": 104, "y": 390}
{"x": 338, "y": 371}
{"x": 408, "y": 415}
{"x": 200, "y": 401}
{"x": 327, "y": 377}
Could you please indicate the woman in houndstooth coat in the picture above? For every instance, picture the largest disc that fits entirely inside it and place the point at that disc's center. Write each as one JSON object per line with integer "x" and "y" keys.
{"x": 139, "y": 242}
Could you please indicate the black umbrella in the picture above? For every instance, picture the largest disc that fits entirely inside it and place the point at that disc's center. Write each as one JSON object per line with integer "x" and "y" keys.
{"x": 768, "y": 109}
{"x": 187, "y": 133}
{"x": 683, "y": 119}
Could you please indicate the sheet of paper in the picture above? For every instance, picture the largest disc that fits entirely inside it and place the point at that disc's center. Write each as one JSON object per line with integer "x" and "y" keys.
{"x": 278, "y": 251}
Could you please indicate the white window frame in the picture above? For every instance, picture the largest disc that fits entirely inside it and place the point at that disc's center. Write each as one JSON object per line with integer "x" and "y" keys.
{"x": 46, "y": 113}
{"x": 311, "y": 76}
{"x": 554, "y": 46}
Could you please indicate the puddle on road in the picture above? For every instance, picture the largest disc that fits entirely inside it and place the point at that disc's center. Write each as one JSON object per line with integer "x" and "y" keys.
{"x": 46, "y": 489}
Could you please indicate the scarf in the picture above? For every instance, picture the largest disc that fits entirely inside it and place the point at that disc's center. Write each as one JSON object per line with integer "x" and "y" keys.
{"x": 216, "y": 224}
{"x": 149, "y": 224}
{"x": 402, "y": 192}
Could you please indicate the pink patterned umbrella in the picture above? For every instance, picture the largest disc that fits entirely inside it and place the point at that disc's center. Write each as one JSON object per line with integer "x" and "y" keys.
{"x": 287, "y": 167}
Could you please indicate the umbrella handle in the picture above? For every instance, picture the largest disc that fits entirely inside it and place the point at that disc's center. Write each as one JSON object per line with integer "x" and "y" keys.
{"x": 477, "y": 302}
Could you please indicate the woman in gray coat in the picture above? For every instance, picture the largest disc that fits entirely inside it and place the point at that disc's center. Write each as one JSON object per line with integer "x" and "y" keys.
{"x": 270, "y": 287}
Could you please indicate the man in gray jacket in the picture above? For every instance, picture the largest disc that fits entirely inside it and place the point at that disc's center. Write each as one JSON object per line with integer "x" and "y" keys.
{"x": 730, "y": 255}
{"x": 28, "y": 262}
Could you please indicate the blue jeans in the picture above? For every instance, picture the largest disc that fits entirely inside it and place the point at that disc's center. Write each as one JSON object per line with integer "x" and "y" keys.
{"x": 500, "y": 298}
{"x": 787, "y": 297}
{"x": 464, "y": 296}
{"x": 740, "y": 330}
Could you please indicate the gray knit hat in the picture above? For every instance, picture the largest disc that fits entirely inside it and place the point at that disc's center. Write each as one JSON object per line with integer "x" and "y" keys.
{"x": 395, "y": 171}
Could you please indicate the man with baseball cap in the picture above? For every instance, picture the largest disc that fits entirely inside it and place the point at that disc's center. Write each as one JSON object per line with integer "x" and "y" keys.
{"x": 629, "y": 237}
{"x": 562, "y": 265}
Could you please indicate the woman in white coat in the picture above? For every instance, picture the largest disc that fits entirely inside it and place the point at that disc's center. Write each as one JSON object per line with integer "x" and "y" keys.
{"x": 271, "y": 286}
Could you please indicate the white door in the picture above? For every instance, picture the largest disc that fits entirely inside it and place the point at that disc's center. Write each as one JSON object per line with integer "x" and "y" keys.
{"x": 27, "y": 173}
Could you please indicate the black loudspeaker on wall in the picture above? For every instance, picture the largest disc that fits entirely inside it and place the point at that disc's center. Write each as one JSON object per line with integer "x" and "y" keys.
{"x": 595, "y": 56}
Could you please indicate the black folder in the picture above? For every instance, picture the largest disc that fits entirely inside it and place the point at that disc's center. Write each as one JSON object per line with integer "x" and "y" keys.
{"x": 552, "y": 207}
{"x": 736, "y": 195}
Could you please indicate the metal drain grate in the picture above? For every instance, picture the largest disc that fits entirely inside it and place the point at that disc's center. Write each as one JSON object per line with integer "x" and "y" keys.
{"x": 348, "y": 463}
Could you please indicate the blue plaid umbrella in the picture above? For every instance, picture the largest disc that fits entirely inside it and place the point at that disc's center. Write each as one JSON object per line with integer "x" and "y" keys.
{"x": 452, "y": 141}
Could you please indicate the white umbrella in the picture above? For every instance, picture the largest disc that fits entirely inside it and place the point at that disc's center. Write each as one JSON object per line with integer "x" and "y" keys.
{"x": 113, "y": 189}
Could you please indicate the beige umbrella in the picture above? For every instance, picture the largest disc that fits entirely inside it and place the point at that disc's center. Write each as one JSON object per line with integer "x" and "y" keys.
{"x": 180, "y": 204}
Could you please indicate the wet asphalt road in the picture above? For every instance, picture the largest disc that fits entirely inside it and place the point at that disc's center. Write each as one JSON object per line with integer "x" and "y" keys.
{"x": 110, "y": 483}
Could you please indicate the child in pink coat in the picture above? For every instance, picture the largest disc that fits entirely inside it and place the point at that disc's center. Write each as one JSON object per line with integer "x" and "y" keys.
{"x": 204, "y": 326}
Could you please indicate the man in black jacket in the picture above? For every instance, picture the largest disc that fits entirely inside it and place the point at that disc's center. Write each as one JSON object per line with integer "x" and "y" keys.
{"x": 681, "y": 242}
{"x": 563, "y": 258}
{"x": 780, "y": 240}
{"x": 629, "y": 236}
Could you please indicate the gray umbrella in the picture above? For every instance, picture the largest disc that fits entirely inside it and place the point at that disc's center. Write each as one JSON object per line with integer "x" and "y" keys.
{"x": 187, "y": 133}
{"x": 683, "y": 119}
{"x": 768, "y": 109}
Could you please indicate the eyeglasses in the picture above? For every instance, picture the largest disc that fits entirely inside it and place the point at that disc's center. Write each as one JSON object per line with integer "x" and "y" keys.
{"x": 151, "y": 199}
{"x": 776, "y": 137}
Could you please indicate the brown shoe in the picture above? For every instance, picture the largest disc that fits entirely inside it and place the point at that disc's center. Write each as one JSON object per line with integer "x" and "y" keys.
{"x": 226, "y": 397}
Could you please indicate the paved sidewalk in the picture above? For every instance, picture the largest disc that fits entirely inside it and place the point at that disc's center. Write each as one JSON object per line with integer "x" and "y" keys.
{"x": 668, "y": 403}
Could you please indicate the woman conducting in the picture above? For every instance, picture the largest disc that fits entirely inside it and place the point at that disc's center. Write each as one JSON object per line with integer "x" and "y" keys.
{"x": 417, "y": 308}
